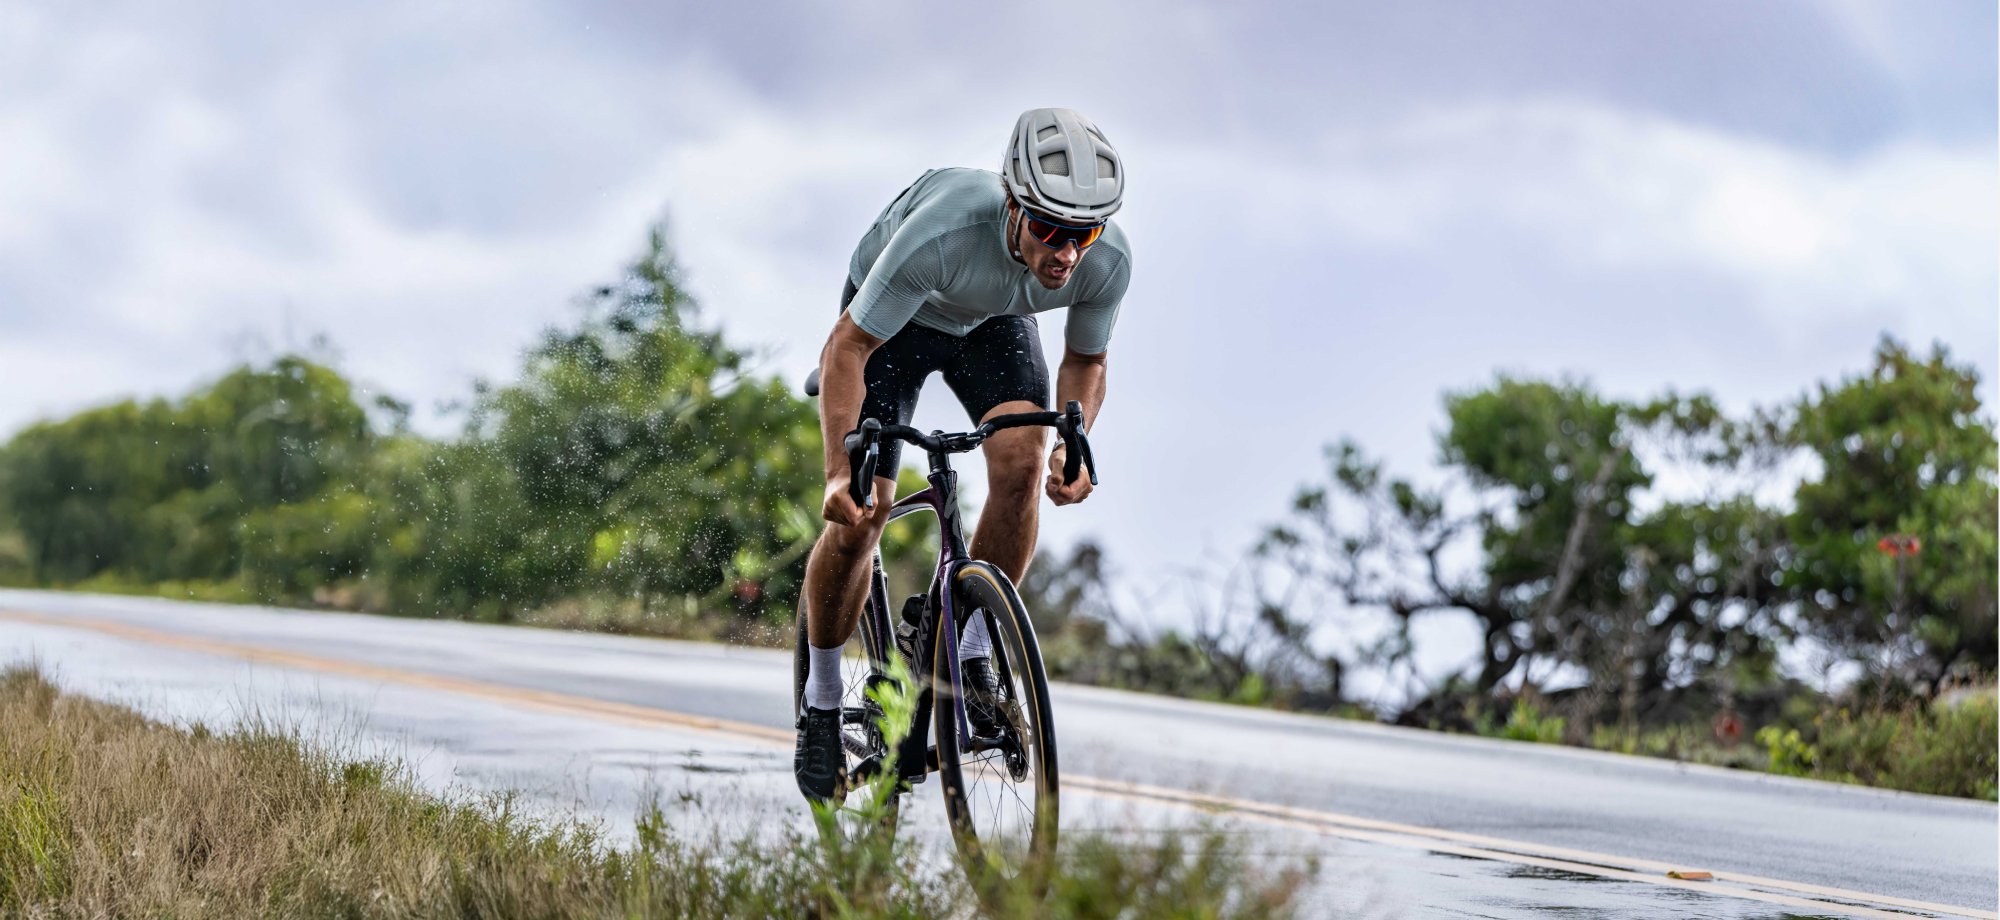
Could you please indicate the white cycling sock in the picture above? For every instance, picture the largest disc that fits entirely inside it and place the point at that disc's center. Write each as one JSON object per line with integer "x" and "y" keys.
{"x": 823, "y": 676}
{"x": 974, "y": 642}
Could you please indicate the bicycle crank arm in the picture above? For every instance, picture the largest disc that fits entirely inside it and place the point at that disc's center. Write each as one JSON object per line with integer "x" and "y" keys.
{"x": 866, "y": 769}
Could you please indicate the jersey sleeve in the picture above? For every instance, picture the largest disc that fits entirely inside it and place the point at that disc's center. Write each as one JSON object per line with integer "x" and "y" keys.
{"x": 908, "y": 270}
{"x": 1088, "y": 330}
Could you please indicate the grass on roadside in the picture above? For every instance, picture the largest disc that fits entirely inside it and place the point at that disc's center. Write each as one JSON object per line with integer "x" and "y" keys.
{"x": 106, "y": 814}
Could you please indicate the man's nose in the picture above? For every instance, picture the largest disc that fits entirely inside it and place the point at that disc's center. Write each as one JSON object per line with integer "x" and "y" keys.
{"x": 1068, "y": 254}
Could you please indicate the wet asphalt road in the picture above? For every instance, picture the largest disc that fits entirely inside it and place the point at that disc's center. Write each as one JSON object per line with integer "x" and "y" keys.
{"x": 1406, "y": 823}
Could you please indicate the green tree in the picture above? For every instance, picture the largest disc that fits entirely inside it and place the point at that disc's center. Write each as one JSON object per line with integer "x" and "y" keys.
{"x": 1569, "y": 573}
{"x": 158, "y": 490}
{"x": 637, "y": 455}
{"x": 79, "y": 488}
{"x": 278, "y": 434}
{"x": 1905, "y": 455}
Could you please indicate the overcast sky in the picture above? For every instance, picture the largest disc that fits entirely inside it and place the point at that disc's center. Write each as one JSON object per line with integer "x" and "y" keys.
{"x": 1338, "y": 211}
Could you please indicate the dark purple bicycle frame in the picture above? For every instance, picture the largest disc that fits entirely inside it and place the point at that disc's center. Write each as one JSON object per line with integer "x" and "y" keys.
{"x": 941, "y": 498}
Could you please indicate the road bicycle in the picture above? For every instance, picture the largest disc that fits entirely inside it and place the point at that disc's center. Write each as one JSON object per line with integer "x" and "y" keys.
{"x": 1000, "y": 789}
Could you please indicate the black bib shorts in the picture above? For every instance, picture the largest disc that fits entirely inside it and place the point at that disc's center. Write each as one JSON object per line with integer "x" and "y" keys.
{"x": 999, "y": 361}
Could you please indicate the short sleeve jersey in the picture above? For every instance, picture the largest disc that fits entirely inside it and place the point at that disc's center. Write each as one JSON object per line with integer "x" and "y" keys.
{"x": 938, "y": 257}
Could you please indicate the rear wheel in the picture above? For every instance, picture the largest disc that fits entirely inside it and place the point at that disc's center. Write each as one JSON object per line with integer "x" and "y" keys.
{"x": 866, "y": 807}
{"x": 1000, "y": 792}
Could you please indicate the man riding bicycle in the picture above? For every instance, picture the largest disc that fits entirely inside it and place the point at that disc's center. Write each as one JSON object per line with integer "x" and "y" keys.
{"x": 948, "y": 280}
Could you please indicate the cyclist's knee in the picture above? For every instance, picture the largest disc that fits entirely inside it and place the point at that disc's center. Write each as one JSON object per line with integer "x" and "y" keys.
{"x": 1015, "y": 464}
{"x": 852, "y": 540}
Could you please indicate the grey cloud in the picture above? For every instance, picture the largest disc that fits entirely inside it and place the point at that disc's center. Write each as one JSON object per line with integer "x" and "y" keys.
{"x": 1791, "y": 72}
{"x": 431, "y": 182}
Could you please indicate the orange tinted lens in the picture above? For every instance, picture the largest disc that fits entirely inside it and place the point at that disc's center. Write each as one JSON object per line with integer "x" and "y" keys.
{"x": 1056, "y": 236}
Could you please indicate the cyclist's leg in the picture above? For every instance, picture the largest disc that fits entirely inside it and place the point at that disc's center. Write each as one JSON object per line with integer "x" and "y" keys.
{"x": 838, "y": 568}
{"x": 831, "y": 600}
{"x": 837, "y": 572}
{"x": 998, "y": 370}
{"x": 1009, "y": 520}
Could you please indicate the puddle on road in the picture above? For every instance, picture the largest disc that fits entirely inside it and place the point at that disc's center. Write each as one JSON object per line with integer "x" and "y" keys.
{"x": 733, "y": 763}
{"x": 1556, "y": 875}
{"x": 1499, "y": 890}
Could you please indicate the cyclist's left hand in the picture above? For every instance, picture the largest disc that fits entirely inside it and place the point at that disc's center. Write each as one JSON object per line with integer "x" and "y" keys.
{"x": 1066, "y": 494}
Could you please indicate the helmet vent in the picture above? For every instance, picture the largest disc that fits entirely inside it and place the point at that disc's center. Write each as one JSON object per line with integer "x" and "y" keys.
{"x": 1059, "y": 164}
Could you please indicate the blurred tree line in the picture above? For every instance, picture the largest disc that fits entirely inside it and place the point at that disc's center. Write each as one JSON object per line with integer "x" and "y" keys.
{"x": 636, "y": 466}
{"x": 1629, "y": 564}
{"x": 1631, "y": 567}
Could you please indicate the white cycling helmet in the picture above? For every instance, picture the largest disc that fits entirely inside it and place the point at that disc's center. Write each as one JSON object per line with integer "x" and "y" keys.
{"x": 1059, "y": 165}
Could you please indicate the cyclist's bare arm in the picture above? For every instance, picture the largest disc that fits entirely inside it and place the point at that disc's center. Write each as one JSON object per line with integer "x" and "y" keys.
{"x": 841, "y": 389}
{"x": 1081, "y": 377}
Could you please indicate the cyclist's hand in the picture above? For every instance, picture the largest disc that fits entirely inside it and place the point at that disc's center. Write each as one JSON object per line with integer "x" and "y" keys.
{"x": 839, "y": 507}
{"x": 1066, "y": 494}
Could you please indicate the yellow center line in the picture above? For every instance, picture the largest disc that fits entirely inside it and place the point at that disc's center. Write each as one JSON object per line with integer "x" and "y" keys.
{"x": 608, "y": 710}
{"x": 1478, "y": 846}
{"x": 1406, "y": 841}
{"x": 1530, "y": 854}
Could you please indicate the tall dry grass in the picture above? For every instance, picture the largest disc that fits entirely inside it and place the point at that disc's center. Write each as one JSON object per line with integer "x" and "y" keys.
{"x": 105, "y": 814}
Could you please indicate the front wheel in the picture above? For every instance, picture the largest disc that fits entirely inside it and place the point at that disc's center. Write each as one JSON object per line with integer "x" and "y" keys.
{"x": 999, "y": 791}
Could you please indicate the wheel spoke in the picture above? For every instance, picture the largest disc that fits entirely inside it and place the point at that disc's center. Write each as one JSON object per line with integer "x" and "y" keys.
{"x": 1007, "y": 821}
{"x": 1010, "y": 815}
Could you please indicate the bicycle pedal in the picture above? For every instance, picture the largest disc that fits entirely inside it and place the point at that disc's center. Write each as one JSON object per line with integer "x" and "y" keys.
{"x": 866, "y": 769}
{"x": 879, "y": 683}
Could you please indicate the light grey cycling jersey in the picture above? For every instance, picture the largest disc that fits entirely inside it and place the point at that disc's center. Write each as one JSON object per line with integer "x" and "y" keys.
{"x": 938, "y": 257}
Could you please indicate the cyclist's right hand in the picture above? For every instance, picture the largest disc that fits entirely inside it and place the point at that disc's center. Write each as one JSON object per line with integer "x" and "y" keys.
{"x": 840, "y": 507}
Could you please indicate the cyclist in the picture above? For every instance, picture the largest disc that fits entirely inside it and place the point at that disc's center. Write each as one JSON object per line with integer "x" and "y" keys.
{"x": 948, "y": 280}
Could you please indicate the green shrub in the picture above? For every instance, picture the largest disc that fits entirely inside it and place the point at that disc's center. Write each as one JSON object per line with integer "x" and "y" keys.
{"x": 1526, "y": 722}
{"x": 15, "y": 565}
{"x": 1935, "y": 748}
{"x": 1790, "y": 754}
{"x": 1939, "y": 749}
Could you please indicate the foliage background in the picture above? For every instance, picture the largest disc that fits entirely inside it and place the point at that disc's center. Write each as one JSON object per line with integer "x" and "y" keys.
{"x": 637, "y": 467}
{"x": 1836, "y": 553}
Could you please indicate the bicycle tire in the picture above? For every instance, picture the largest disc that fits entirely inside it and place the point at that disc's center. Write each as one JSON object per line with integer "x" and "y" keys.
{"x": 1001, "y": 852}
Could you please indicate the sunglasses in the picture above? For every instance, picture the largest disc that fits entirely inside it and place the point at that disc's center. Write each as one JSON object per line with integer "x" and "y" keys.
{"x": 1056, "y": 236}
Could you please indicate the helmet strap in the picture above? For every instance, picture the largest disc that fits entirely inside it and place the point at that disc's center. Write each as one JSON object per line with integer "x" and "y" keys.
{"x": 1014, "y": 230}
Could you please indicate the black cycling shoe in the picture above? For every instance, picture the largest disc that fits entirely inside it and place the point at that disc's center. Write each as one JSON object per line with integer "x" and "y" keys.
{"x": 982, "y": 696}
{"x": 818, "y": 760}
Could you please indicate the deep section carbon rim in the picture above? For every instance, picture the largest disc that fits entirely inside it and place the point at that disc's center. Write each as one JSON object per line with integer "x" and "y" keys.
{"x": 1000, "y": 792}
